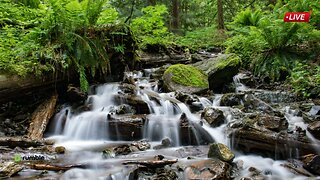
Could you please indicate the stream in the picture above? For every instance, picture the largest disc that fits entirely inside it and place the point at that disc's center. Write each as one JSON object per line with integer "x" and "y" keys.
{"x": 86, "y": 134}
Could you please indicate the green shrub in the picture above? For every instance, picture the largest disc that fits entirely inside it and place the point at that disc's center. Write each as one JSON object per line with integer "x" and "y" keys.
{"x": 271, "y": 48}
{"x": 203, "y": 38}
{"x": 305, "y": 80}
{"x": 150, "y": 27}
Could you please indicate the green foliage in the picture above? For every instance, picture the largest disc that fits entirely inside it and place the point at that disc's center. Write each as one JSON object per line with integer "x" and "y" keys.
{"x": 271, "y": 46}
{"x": 150, "y": 27}
{"x": 54, "y": 35}
{"x": 203, "y": 38}
{"x": 306, "y": 79}
{"x": 17, "y": 49}
{"x": 247, "y": 18}
{"x": 188, "y": 75}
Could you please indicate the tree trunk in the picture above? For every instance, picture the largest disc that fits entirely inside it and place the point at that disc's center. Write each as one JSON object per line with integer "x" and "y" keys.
{"x": 220, "y": 15}
{"x": 41, "y": 117}
{"x": 175, "y": 14}
{"x": 151, "y": 2}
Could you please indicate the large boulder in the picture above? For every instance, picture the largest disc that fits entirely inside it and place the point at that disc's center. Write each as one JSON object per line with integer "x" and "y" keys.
{"x": 220, "y": 70}
{"x": 311, "y": 162}
{"x": 185, "y": 78}
{"x": 213, "y": 116}
{"x": 221, "y": 151}
{"x": 314, "y": 129}
{"x": 208, "y": 169}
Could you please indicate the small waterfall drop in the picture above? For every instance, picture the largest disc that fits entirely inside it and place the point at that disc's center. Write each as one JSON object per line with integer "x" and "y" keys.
{"x": 239, "y": 86}
{"x": 88, "y": 125}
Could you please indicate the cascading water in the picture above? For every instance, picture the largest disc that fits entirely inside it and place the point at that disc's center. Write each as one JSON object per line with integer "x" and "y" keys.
{"x": 88, "y": 125}
{"x": 162, "y": 122}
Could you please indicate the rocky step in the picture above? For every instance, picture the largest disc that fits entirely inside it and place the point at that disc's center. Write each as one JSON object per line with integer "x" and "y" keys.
{"x": 279, "y": 145}
{"x": 131, "y": 127}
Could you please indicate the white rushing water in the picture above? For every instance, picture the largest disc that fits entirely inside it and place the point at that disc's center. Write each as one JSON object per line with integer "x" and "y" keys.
{"x": 88, "y": 125}
{"x": 89, "y": 130}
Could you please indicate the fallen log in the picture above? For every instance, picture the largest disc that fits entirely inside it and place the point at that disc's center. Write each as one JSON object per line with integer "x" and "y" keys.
{"x": 157, "y": 60}
{"x": 51, "y": 167}
{"x": 153, "y": 164}
{"x": 22, "y": 142}
{"x": 41, "y": 117}
{"x": 13, "y": 87}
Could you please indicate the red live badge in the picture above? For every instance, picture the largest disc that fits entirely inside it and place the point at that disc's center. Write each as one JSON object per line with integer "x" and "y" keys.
{"x": 297, "y": 17}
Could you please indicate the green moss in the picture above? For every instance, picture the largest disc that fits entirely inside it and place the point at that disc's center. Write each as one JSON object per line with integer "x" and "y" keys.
{"x": 231, "y": 60}
{"x": 188, "y": 75}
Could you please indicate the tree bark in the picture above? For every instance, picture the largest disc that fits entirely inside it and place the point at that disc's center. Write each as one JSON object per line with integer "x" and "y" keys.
{"x": 51, "y": 167}
{"x": 151, "y": 2}
{"x": 41, "y": 117}
{"x": 220, "y": 15}
{"x": 175, "y": 14}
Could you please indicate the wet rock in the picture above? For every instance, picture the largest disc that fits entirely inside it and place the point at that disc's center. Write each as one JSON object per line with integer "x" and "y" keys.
{"x": 306, "y": 107}
{"x": 269, "y": 143}
{"x": 128, "y": 88}
{"x": 208, "y": 169}
{"x": 312, "y": 163}
{"x": 296, "y": 167}
{"x": 315, "y": 110}
{"x": 192, "y": 133}
{"x": 154, "y": 173}
{"x": 247, "y": 79}
{"x": 185, "y": 78}
{"x": 8, "y": 169}
{"x": 124, "y": 109}
{"x": 75, "y": 95}
{"x": 273, "y": 123}
{"x": 220, "y": 70}
{"x": 196, "y": 58}
{"x": 60, "y": 149}
{"x": 253, "y": 103}
{"x": 276, "y": 96}
{"x": 108, "y": 153}
{"x": 256, "y": 174}
{"x": 165, "y": 143}
{"x": 140, "y": 106}
{"x": 141, "y": 145}
{"x": 314, "y": 129}
{"x": 220, "y": 151}
{"x": 122, "y": 150}
{"x": 185, "y": 97}
{"x": 231, "y": 99}
{"x": 237, "y": 168}
{"x": 126, "y": 127}
{"x": 213, "y": 116}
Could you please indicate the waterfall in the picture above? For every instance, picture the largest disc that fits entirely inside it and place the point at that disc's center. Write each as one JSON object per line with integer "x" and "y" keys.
{"x": 239, "y": 86}
{"x": 88, "y": 125}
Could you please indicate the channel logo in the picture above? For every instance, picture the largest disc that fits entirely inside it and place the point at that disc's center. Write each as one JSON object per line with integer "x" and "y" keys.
{"x": 297, "y": 17}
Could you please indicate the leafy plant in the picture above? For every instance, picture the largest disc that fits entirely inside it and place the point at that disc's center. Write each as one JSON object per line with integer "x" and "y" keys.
{"x": 150, "y": 27}
{"x": 306, "y": 79}
{"x": 202, "y": 38}
{"x": 271, "y": 48}
{"x": 248, "y": 18}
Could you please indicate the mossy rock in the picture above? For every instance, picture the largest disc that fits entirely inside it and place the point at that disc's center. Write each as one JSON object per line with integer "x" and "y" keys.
{"x": 185, "y": 78}
{"x": 220, "y": 70}
{"x": 221, "y": 151}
